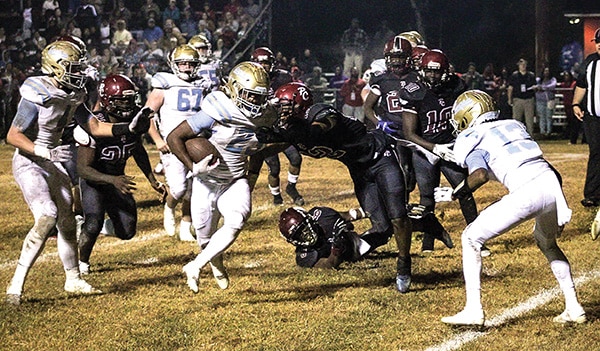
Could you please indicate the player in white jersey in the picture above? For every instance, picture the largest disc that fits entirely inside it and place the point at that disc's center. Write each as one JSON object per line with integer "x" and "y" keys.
{"x": 502, "y": 150}
{"x": 229, "y": 120}
{"x": 210, "y": 68}
{"x": 48, "y": 103}
{"x": 177, "y": 96}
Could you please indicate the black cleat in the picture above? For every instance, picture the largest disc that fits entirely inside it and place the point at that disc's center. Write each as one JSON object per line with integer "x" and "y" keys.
{"x": 291, "y": 190}
{"x": 277, "y": 199}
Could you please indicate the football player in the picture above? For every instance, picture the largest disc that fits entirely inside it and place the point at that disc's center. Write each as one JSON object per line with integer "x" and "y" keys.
{"x": 278, "y": 77}
{"x": 321, "y": 131}
{"x": 228, "y": 119}
{"x": 210, "y": 68}
{"x": 101, "y": 166}
{"x": 503, "y": 150}
{"x": 48, "y": 103}
{"x": 176, "y": 96}
{"x": 323, "y": 237}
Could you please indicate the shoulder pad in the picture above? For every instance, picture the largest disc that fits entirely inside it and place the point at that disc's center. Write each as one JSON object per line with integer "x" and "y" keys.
{"x": 414, "y": 91}
{"x": 36, "y": 90}
{"x": 161, "y": 80}
{"x": 82, "y": 137}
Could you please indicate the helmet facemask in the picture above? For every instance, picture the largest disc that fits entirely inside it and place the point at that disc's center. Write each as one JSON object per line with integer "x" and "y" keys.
{"x": 298, "y": 227}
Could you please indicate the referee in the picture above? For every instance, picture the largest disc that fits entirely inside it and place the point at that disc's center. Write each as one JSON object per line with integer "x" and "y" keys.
{"x": 586, "y": 107}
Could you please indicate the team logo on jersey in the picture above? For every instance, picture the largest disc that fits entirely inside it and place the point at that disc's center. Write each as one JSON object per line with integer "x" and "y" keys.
{"x": 442, "y": 102}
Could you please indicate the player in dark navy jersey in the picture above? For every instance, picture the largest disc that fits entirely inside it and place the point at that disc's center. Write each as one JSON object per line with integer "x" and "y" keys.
{"x": 101, "y": 166}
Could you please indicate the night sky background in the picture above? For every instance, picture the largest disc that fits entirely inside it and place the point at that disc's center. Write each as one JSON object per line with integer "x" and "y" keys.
{"x": 496, "y": 31}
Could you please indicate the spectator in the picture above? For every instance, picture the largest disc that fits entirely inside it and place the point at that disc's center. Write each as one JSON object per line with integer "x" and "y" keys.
{"x": 39, "y": 41}
{"x": 544, "y": 101}
{"x": 490, "y": 81}
{"x": 336, "y": 82}
{"x": 350, "y": 92}
{"x": 502, "y": 96}
{"x": 573, "y": 124}
{"x": 132, "y": 56}
{"x": 296, "y": 74}
{"x": 105, "y": 32}
{"x": 188, "y": 25}
{"x": 472, "y": 78}
{"x": 203, "y": 30}
{"x": 232, "y": 6}
{"x": 520, "y": 94}
{"x": 121, "y": 12}
{"x": 73, "y": 30}
{"x": 107, "y": 61}
{"x": 218, "y": 51}
{"x": 149, "y": 10}
{"x": 171, "y": 39}
{"x": 52, "y": 30}
{"x": 308, "y": 62}
{"x": 584, "y": 108}
{"x": 171, "y": 12}
{"x": 121, "y": 36}
{"x": 252, "y": 9}
{"x": 208, "y": 13}
{"x": 354, "y": 44}
{"x": 231, "y": 21}
{"x": 86, "y": 15}
{"x": 50, "y": 5}
{"x": 152, "y": 32}
{"x": 380, "y": 38}
{"x": 317, "y": 84}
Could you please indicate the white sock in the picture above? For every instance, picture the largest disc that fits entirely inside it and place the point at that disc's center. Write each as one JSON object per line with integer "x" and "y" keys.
{"x": 562, "y": 272}
{"x": 293, "y": 178}
{"x": 18, "y": 280}
{"x": 363, "y": 247}
{"x": 472, "y": 272}
{"x": 275, "y": 190}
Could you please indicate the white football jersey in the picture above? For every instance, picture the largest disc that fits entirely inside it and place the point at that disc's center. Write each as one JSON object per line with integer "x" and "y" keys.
{"x": 233, "y": 134}
{"x": 209, "y": 71}
{"x": 514, "y": 158}
{"x": 181, "y": 100}
{"x": 55, "y": 109}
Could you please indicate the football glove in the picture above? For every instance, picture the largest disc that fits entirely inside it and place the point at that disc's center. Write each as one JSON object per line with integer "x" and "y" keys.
{"x": 141, "y": 122}
{"x": 204, "y": 166}
{"x": 61, "y": 153}
{"x": 443, "y": 194}
{"x": 444, "y": 152}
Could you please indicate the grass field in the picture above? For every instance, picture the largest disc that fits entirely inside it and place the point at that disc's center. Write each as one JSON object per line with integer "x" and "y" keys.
{"x": 273, "y": 305}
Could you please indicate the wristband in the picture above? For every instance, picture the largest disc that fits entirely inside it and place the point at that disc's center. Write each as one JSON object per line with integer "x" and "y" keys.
{"x": 578, "y": 105}
{"x": 119, "y": 129}
{"x": 41, "y": 151}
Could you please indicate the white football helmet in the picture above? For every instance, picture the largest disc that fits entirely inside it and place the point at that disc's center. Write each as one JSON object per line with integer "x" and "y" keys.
{"x": 248, "y": 86}
{"x": 66, "y": 62}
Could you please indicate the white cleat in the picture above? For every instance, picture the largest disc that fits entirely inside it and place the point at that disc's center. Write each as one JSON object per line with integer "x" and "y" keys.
{"x": 169, "y": 220}
{"x": 13, "y": 299}
{"x": 80, "y": 286}
{"x": 219, "y": 272}
{"x": 186, "y": 231}
{"x": 191, "y": 274}
{"x": 571, "y": 316}
{"x": 595, "y": 227}
{"x": 84, "y": 268}
{"x": 466, "y": 317}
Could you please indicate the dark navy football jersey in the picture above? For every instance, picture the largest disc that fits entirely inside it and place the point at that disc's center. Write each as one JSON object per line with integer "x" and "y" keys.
{"x": 347, "y": 140}
{"x": 112, "y": 152}
{"x": 433, "y": 107}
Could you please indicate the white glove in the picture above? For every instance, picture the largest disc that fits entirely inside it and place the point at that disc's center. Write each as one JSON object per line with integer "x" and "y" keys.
{"x": 205, "y": 83}
{"x": 92, "y": 73}
{"x": 444, "y": 152}
{"x": 443, "y": 194}
{"x": 61, "y": 153}
{"x": 203, "y": 166}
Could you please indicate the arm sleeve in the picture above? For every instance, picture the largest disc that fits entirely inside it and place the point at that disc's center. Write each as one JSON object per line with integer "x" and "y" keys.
{"x": 200, "y": 121}
{"x": 27, "y": 113}
{"x": 477, "y": 159}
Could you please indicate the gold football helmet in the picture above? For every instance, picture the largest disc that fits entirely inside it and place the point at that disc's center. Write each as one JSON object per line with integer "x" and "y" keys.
{"x": 184, "y": 61}
{"x": 203, "y": 45}
{"x": 248, "y": 86}
{"x": 66, "y": 62}
{"x": 472, "y": 108}
{"x": 414, "y": 37}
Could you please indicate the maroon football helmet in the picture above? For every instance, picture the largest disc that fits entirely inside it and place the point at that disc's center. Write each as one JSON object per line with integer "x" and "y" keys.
{"x": 298, "y": 227}
{"x": 118, "y": 95}
{"x": 397, "y": 52}
{"x": 434, "y": 67}
{"x": 265, "y": 57}
{"x": 294, "y": 98}
{"x": 417, "y": 54}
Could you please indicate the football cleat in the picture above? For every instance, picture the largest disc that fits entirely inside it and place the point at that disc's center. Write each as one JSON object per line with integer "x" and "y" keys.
{"x": 13, "y": 299}
{"x": 191, "y": 274}
{"x": 80, "y": 286}
{"x": 186, "y": 231}
{"x": 277, "y": 199}
{"x": 595, "y": 230}
{"x": 466, "y": 317}
{"x": 169, "y": 220}
{"x": 403, "y": 283}
{"x": 571, "y": 316}
{"x": 447, "y": 240}
{"x": 427, "y": 246}
{"x": 485, "y": 251}
{"x": 219, "y": 272}
{"x": 291, "y": 190}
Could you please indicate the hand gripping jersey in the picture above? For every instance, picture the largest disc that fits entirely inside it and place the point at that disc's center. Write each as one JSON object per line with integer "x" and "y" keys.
{"x": 111, "y": 153}
{"x": 348, "y": 140}
{"x": 232, "y": 134}
{"x": 181, "y": 100}
{"x": 52, "y": 107}
{"x": 509, "y": 151}
{"x": 434, "y": 108}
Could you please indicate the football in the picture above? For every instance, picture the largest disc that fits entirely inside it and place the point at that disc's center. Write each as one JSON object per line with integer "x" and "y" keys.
{"x": 198, "y": 148}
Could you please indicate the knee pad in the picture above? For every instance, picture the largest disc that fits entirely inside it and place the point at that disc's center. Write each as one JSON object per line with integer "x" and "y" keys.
{"x": 93, "y": 224}
{"x": 274, "y": 165}
{"x": 294, "y": 157}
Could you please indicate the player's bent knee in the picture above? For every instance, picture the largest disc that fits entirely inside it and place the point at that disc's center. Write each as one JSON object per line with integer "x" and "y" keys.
{"x": 44, "y": 224}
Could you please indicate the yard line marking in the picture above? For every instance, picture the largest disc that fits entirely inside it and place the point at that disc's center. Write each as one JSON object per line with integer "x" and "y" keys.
{"x": 530, "y": 304}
